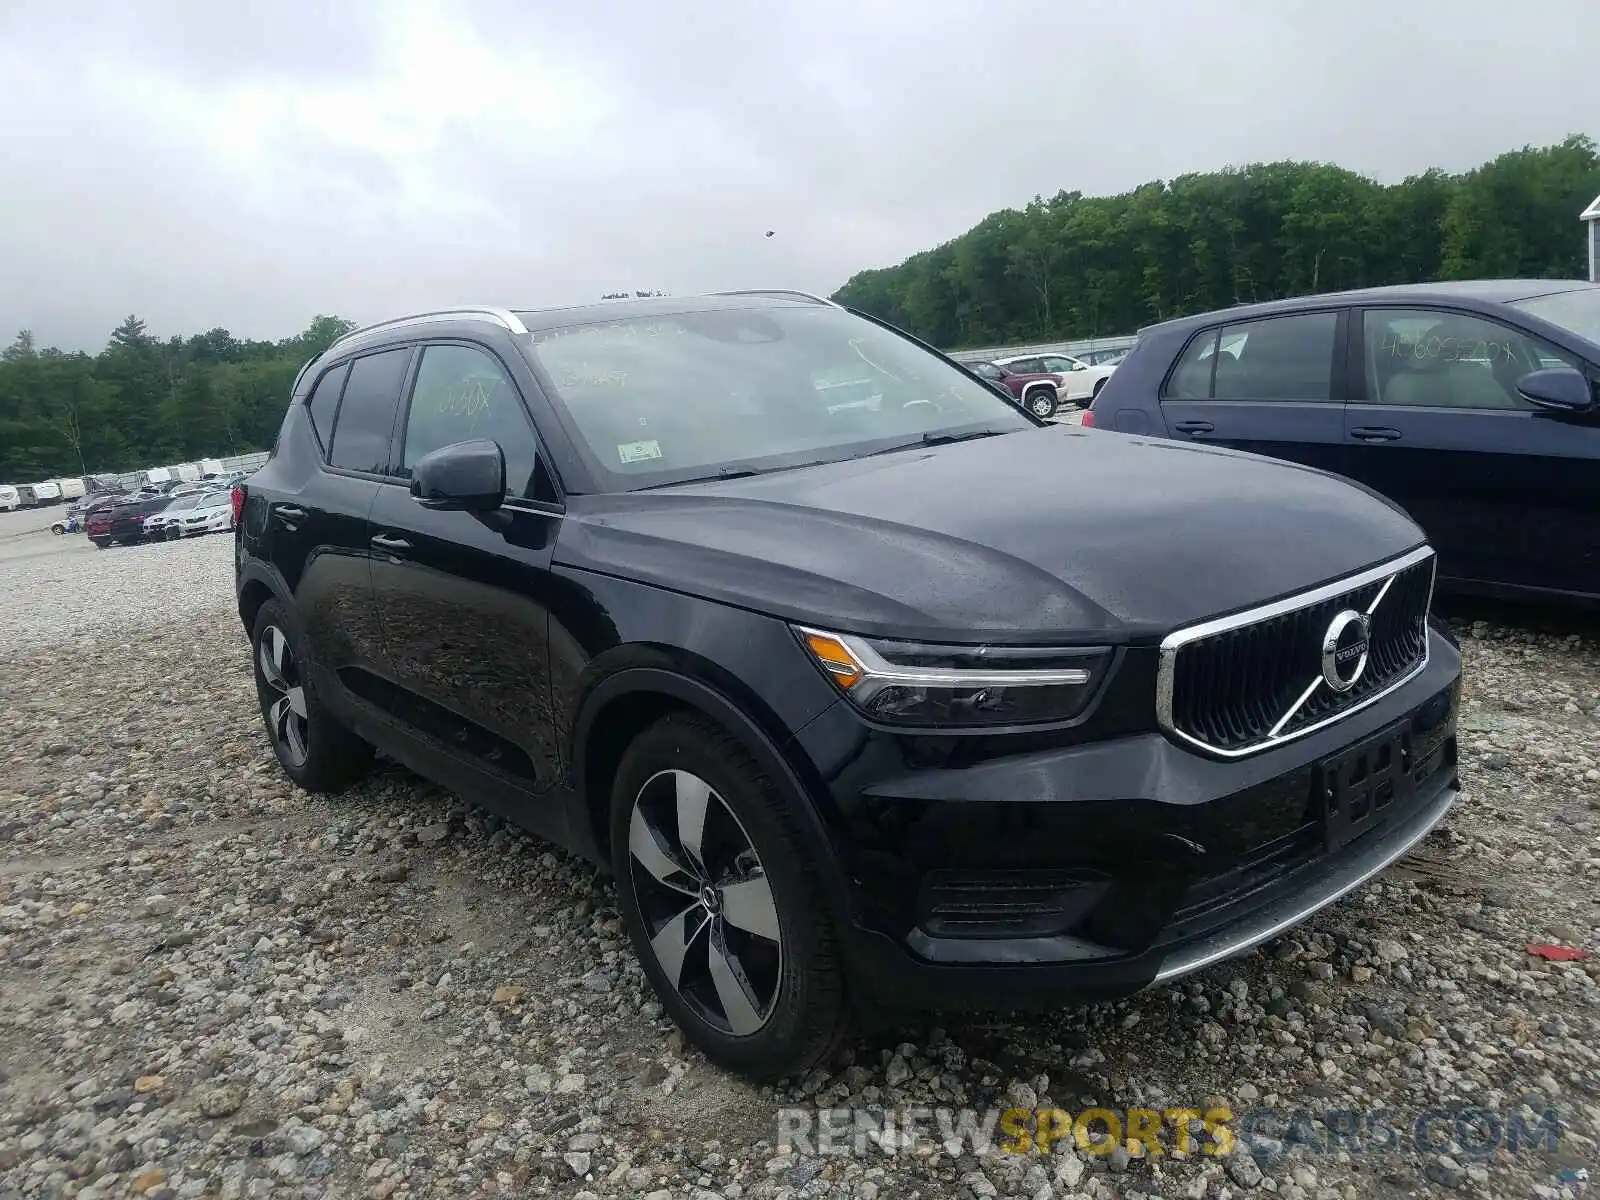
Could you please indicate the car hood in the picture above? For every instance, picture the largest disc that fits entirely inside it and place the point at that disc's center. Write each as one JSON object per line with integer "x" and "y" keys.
{"x": 1060, "y": 532}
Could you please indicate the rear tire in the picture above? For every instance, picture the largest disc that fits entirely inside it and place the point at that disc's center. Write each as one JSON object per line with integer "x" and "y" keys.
{"x": 313, "y": 749}
{"x": 722, "y": 901}
{"x": 1042, "y": 403}
{"x": 1098, "y": 384}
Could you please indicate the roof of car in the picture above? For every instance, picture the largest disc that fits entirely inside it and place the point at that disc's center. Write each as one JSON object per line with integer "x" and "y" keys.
{"x": 1011, "y": 358}
{"x": 518, "y": 320}
{"x": 536, "y": 319}
{"x": 1492, "y": 291}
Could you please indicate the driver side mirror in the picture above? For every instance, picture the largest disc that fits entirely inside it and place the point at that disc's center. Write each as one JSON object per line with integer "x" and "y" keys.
{"x": 1560, "y": 389}
{"x": 462, "y": 477}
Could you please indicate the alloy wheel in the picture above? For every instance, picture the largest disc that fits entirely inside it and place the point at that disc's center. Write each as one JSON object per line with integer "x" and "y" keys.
{"x": 1041, "y": 404}
{"x": 706, "y": 902}
{"x": 283, "y": 700}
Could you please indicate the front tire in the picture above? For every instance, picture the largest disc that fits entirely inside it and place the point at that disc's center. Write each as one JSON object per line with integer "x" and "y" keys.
{"x": 1041, "y": 403}
{"x": 313, "y": 749}
{"x": 722, "y": 901}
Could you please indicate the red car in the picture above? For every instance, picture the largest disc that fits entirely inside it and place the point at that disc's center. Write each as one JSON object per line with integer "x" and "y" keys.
{"x": 1039, "y": 391}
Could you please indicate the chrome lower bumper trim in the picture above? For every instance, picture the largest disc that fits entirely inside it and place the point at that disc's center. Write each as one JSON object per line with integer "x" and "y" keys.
{"x": 1336, "y": 881}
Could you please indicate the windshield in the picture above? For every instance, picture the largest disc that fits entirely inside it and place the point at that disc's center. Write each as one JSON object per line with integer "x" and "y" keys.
{"x": 183, "y": 502}
{"x": 663, "y": 398}
{"x": 1577, "y": 311}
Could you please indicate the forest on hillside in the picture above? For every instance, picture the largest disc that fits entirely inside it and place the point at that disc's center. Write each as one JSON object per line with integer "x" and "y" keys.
{"x": 144, "y": 401}
{"x": 1076, "y": 266}
{"x": 1071, "y": 266}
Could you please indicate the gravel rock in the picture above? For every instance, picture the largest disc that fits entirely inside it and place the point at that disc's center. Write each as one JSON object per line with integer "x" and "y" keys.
{"x": 215, "y": 985}
{"x": 1242, "y": 1169}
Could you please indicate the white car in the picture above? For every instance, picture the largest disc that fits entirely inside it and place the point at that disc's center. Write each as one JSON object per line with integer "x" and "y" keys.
{"x": 1080, "y": 383}
{"x": 162, "y": 524}
{"x": 212, "y": 514}
{"x": 10, "y": 498}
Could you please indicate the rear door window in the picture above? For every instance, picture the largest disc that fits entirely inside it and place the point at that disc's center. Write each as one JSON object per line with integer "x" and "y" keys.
{"x": 365, "y": 425}
{"x": 1288, "y": 358}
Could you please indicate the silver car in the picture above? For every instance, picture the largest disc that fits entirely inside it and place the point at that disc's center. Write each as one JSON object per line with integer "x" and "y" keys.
{"x": 212, "y": 513}
{"x": 162, "y": 524}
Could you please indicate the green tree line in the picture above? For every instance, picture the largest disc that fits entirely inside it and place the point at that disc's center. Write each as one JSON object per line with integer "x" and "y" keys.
{"x": 143, "y": 401}
{"x": 1077, "y": 266}
{"x": 1071, "y": 266}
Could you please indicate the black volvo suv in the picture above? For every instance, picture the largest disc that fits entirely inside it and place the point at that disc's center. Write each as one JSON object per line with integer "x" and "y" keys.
{"x": 895, "y": 699}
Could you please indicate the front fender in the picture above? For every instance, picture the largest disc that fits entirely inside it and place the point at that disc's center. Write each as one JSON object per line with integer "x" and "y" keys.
{"x": 670, "y": 680}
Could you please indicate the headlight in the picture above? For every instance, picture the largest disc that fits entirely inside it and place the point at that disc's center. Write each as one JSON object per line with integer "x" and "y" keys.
{"x": 913, "y": 683}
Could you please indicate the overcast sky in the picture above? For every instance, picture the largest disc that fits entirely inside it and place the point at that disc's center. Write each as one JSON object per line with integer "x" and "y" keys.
{"x": 252, "y": 164}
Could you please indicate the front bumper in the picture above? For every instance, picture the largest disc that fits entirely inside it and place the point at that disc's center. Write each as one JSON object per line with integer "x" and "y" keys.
{"x": 1096, "y": 870}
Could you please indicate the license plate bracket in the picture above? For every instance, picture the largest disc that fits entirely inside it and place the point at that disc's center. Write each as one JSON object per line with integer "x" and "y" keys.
{"x": 1358, "y": 787}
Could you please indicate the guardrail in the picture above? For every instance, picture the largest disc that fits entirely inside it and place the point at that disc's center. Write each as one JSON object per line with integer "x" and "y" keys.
{"x": 1081, "y": 346}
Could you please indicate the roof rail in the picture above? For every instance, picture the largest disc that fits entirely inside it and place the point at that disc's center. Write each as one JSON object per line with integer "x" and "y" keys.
{"x": 780, "y": 292}
{"x": 504, "y": 317}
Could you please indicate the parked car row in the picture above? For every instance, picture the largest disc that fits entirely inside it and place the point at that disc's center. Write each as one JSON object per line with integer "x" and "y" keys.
{"x": 153, "y": 515}
{"x": 77, "y": 491}
{"x": 1474, "y": 406}
{"x": 1042, "y": 382}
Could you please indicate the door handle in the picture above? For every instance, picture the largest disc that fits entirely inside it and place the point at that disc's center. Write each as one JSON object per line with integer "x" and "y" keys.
{"x": 1194, "y": 427}
{"x": 288, "y": 512}
{"x": 1375, "y": 433}
{"x": 384, "y": 542}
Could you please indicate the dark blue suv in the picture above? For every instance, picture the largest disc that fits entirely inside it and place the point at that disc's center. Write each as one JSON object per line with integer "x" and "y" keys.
{"x": 1475, "y": 406}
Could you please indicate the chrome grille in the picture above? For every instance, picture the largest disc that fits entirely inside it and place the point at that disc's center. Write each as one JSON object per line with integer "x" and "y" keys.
{"x": 1240, "y": 684}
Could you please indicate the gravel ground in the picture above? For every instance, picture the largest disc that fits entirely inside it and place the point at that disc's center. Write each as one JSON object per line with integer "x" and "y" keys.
{"x": 212, "y": 984}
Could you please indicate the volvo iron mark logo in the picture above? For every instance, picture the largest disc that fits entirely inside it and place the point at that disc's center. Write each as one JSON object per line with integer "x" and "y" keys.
{"x": 1344, "y": 650}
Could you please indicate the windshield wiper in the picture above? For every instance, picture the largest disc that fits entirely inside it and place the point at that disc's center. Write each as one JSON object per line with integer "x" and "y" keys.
{"x": 713, "y": 477}
{"x": 938, "y": 439}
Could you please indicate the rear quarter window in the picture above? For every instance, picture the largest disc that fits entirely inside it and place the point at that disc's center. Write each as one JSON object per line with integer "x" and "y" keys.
{"x": 324, "y": 403}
